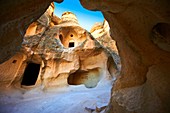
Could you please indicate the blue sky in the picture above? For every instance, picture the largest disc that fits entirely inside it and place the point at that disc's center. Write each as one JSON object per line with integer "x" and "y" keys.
{"x": 85, "y": 17}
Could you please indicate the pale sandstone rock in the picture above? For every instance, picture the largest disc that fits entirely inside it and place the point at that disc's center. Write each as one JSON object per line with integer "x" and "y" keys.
{"x": 101, "y": 31}
{"x": 141, "y": 31}
{"x": 48, "y": 19}
{"x": 66, "y": 55}
{"x": 16, "y": 16}
{"x": 69, "y": 17}
{"x": 12, "y": 70}
{"x": 131, "y": 24}
{"x": 55, "y": 20}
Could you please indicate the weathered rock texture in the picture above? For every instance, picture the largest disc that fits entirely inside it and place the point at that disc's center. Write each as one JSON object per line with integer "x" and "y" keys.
{"x": 62, "y": 55}
{"x": 141, "y": 30}
{"x": 47, "y": 20}
{"x": 16, "y": 16}
{"x": 70, "y": 33}
{"x": 101, "y": 32}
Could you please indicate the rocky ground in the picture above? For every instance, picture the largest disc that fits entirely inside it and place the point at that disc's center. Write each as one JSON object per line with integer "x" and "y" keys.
{"x": 73, "y": 99}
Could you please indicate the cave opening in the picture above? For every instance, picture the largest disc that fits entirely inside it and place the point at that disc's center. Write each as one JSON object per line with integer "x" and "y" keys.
{"x": 89, "y": 78}
{"x": 30, "y": 74}
{"x": 14, "y": 61}
{"x": 71, "y": 44}
{"x": 161, "y": 36}
{"x": 61, "y": 37}
{"x": 71, "y": 35}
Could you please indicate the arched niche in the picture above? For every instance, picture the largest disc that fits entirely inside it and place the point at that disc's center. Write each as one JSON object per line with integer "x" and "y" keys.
{"x": 69, "y": 37}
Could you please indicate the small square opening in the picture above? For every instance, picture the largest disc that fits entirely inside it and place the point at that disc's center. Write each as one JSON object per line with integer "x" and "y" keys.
{"x": 71, "y": 44}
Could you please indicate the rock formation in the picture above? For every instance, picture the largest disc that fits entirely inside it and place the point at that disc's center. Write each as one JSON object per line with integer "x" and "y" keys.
{"x": 16, "y": 16}
{"x": 141, "y": 31}
{"x": 48, "y": 19}
{"x": 101, "y": 32}
{"x": 57, "y": 56}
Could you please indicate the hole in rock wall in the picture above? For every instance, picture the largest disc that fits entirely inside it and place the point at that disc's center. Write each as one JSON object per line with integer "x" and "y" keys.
{"x": 30, "y": 74}
{"x": 61, "y": 37}
{"x": 14, "y": 61}
{"x": 71, "y": 44}
{"x": 89, "y": 78}
{"x": 73, "y": 22}
{"x": 161, "y": 36}
{"x": 112, "y": 67}
{"x": 71, "y": 35}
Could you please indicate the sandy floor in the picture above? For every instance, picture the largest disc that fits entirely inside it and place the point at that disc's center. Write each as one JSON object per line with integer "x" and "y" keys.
{"x": 73, "y": 99}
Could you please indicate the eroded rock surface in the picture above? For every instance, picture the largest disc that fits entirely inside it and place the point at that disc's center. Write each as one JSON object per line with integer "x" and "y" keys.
{"x": 101, "y": 32}
{"x": 58, "y": 56}
{"x": 16, "y": 16}
{"x": 140, "y": 29}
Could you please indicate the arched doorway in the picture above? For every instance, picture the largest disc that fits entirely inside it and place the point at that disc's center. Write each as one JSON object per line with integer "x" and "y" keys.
{"x": 30, "y": 74}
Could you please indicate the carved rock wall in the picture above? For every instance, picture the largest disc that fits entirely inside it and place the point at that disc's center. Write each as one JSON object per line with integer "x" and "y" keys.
{"x": 16, "y": 16}
{"x": 88, "y": 63}
{"x": 140, "y": 30}
{"x": 101, "y": 32}
{"x": 47, "y": 61}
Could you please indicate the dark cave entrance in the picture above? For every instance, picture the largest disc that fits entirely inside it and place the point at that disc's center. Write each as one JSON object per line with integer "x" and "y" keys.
{"x": 61, "y": 37}
{"x": 31, "y": 74}
{"x": 71, "y": 44}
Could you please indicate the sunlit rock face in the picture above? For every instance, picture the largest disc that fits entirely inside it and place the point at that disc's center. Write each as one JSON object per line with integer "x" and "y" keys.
{"x": 16, "y": 16}
{"x": 59, "y": 56}
{"x": 69, "y": 17}
{"x": 101, "y": 32}
{"x": 12, "y": 69}
{"x": 48, "y": 19}
{"x": 141, "y": 31}
{"x": 71, "y": 34}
